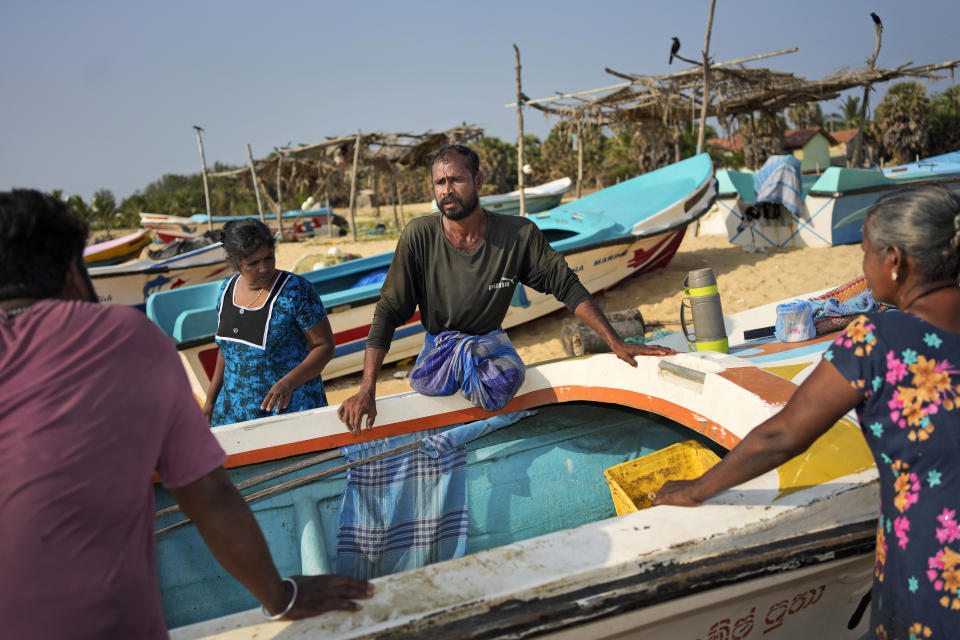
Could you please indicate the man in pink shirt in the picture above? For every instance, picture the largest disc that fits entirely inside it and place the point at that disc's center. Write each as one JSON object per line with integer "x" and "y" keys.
{"x": 85, "y": 419}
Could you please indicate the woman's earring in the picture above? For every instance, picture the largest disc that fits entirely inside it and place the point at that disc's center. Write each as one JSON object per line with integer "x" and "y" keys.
{"x": 894, "y": 275}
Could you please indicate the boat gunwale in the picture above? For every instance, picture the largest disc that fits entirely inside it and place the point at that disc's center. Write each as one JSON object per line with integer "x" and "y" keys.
{"x": 902, "y": 182}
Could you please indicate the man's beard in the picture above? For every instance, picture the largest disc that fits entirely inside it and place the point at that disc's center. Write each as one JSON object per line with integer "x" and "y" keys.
{"x": 463, "y": 209}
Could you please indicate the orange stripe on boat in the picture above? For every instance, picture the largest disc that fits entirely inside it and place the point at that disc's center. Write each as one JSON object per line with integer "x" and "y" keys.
{"x": 642, "y": 401}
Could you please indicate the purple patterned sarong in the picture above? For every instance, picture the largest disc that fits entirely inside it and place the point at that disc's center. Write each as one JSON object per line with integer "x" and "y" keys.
{"x": 485, "y": 369}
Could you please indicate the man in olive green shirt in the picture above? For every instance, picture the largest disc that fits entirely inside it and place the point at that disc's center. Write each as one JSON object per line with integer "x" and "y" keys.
{"x": 461, "y": 266}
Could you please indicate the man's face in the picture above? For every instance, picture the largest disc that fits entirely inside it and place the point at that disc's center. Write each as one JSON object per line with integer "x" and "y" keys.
{"x": 455, "y": 190}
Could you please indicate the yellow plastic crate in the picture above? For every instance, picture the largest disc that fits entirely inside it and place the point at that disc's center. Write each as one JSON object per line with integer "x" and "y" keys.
{"x": 634, "y": 483}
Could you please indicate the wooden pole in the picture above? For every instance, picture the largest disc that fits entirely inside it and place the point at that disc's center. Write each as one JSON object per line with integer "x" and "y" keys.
{"x": 326, "y": 205}
{"x": 353, "y": 186}
{"x": 523, "y": 196}
{"x": 203, "y": 168}
{"x": 376, "y": 189}
{"x": 279, "y": 194}
{"x": 403, "y": 217}
{"x": 579, "y": 157}
{"x": 706, "y": 79}
{"x": 858, "y": 139}
{"x": 394, "y": 195}
{"x": 256, "y": 189}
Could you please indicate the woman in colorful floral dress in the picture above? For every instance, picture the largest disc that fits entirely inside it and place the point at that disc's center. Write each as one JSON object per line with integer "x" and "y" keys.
{"x": 274, "y": 334}
{"x": 901, "y": 371}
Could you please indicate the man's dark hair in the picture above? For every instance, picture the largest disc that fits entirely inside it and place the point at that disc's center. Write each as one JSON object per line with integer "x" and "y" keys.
{"x": 39, "y": 237}
{"x": 470, "y": 158}
{"x": 244, "y": 237}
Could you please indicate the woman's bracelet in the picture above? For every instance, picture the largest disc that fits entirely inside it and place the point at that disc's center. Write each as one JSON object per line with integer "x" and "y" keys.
{"x": 286, "y": 609}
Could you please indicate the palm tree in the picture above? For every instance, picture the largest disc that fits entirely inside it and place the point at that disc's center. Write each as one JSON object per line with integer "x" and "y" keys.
{"x": 945, "y": 121}
{"x": 805, "y": 114}
{"x": 762, "y": 137}
{"x": 850, "y": 112}
{"x": 900, "y": 121}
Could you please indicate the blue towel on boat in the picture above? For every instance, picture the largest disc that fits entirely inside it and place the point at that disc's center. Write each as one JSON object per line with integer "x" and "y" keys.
{"x": 795, "y": 320}
{"x": 778, "y": 180}
{"x": 408, "y": 510}
{"x": 374, "y": 277}
{"x": 486, "y": 369}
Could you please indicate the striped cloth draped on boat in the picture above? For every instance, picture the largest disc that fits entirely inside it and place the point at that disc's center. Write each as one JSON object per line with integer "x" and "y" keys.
{"x": 778, "y": 180}
{"x": 486, "y": 369}
{"x": 408, "y": 510}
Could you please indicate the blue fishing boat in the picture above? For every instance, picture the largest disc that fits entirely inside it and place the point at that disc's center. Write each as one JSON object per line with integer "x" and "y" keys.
{"x": 834, "y": 203}
{"x": 787, "y": 555}
{"x": 606, "y": 237}
{"x": 539, "y": 198}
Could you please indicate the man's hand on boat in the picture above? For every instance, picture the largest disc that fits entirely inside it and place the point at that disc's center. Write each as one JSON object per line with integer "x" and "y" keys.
{"x": 319, "y": 594}
{"x": 354, "y": 408}
{"x": 590, "y": 314}
{"x": 680, "y": 493}
{"x": 627, "y": 351}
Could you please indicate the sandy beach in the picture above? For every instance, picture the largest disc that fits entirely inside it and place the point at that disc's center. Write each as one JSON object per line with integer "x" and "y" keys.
{"x": 744, "y": 279}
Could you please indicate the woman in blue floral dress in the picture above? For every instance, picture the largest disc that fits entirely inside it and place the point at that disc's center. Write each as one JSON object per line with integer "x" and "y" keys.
{"x": 274, "y": 334}
{"x": 901, "y": 371}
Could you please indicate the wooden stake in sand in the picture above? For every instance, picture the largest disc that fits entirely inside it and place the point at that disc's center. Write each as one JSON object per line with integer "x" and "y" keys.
{"x": 520, "y": 99}
{"x": 706, "y": 79}
{"x": 256, "y": 189}
{"x": 203, "y": 167}
{"x": 353, "y": 187}
{"x": 857, "y": 155}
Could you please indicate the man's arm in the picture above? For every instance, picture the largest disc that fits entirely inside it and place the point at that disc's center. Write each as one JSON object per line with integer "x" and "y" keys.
{"x": 364, "y": 402}
{"x": 590, "y": 314}
{"x": 233, "y": 535}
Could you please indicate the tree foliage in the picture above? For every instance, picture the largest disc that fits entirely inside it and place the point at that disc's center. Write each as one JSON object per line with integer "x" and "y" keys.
{"x": 900, "y": 122}
{"x": 944, "y": 121}
{"x": 762, "y": 137}
{"x": 805, "y": 115}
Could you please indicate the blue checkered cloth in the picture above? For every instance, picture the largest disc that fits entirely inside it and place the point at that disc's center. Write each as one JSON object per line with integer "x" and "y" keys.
{"x": 408, "y": 510}
{"x": 778, "y": 180}
{"x": 485, "y": 369}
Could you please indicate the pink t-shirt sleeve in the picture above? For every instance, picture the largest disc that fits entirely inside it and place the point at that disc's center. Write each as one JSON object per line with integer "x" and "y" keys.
{"x": 189, "y": 450}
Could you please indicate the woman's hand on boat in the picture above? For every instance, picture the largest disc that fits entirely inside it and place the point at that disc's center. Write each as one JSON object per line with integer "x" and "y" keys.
{"x": 353, "y": 409}
{"x": 627, "y": 351}
{"x": 278, "y": 397}
{"x": 319, "y": 594}
{"x": 680, "y": 493}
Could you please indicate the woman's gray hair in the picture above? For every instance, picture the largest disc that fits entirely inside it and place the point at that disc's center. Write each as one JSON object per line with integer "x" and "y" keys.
{"x": 924, "y": 221}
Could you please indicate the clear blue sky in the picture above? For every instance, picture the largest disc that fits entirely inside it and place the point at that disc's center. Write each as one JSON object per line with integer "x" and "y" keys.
{"x": 102, "y": 94}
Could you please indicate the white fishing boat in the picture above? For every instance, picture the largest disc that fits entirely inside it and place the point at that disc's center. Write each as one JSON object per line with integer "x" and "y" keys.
{"x": 787, "y": 555}
{"x": 131, "y": 283}
{"x": 298, "y": 223}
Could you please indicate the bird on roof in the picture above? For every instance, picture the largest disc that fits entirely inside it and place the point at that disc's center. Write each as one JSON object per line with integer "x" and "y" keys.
{"x": 876, "y": 21}
{"x": 674, "y": 49}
